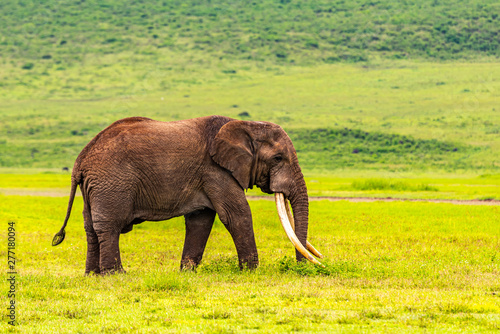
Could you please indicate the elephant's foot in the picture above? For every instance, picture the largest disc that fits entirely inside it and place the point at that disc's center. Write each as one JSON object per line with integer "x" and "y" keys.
{"x": 189, "y": 264}
{"x": 112, "y": 271}
{"x": 251, "y": 262}
{"x": 92, "y": 272}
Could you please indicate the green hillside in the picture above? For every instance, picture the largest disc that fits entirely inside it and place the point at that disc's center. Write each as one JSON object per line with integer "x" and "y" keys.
{"x": 425, "y": 74}
{"x": 347, "y": 148}
{"x": 65, "y": 32}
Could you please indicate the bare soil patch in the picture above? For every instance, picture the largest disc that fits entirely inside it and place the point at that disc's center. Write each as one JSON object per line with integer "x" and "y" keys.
{"x": 390, "y": 199}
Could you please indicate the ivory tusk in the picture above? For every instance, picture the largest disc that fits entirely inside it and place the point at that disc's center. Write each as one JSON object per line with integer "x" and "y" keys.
{"x": 285, "y": 222}
{"x": 310, "y": 247}
{"x": 289, "y": 213}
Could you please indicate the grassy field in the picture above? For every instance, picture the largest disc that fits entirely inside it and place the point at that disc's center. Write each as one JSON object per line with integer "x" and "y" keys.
{"x": 350, "y": 184}
{"x": 381, "y": 99}
{"x": 404, "y": 116}
{"x": 371, "y": 86}
{"x": 389, "y": 268}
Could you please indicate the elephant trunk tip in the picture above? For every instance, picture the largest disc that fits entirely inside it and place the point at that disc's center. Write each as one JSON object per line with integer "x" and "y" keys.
{"x": 59, "y": 237}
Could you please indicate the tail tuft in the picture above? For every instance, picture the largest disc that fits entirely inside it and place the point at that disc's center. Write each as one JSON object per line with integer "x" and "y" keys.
{"x": 59, "y": 237}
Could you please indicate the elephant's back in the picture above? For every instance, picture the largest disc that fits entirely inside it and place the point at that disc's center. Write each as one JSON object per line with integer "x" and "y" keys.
{"x": 141, "y": 133}
{"x": 134, "y": 160}
{"x": 101, "y": 142}
{"x": 140, "y": 143}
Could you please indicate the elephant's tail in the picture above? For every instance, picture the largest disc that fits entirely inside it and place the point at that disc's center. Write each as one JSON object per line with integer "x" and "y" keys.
{"x": 59, "y": 237}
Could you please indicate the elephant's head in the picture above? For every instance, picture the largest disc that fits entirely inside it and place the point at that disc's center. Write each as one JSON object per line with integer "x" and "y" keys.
{"x": 261, "y": 154}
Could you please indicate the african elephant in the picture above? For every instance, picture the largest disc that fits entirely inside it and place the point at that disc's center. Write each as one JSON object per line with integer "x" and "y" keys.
{"x": 139, "y": 169}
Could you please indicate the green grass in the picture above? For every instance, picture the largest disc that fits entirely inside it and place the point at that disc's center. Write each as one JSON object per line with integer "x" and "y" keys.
{"x": 56, "y": 35}
{"x": 69, "y": 69}
{"x": 432, "y": 119}
{"x": 36, "y": 181}
{"x": 344, "y": 148}
{"x": 404, "y": 186}
{"x": 389, "y": 267}
{"x": 382, "y": 184}
{"x": 342, "y": 184}
{"x": 381, "y": 99}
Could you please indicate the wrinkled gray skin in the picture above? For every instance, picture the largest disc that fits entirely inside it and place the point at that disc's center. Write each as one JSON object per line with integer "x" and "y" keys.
{"x": 139, "y": 169}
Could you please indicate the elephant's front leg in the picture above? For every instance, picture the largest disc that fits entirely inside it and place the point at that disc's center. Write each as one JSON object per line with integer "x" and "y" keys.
{"x": 237, "y": 218}
{"x": 198, "y": 227}
{"x": 230, "y": 203}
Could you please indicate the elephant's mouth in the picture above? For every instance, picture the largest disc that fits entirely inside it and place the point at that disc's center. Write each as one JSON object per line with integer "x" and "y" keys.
{"x": 265, "y": 185}
{"x": 287, "y": 221}
{"x": 266, "y": 189}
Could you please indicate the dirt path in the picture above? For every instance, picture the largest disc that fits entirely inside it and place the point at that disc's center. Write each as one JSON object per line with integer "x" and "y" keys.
{"x": 389, "y": 199}
{"x": 65, "y": 193}
{"x": 36, "y": 192}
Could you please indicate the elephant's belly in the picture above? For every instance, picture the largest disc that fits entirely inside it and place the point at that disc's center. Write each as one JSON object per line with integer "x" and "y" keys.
{"x": 171, "y": 207}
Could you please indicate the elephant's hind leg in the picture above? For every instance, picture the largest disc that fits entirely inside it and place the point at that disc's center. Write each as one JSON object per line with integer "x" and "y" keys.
{"x": 198, "y": 227}
{"x": 92, "y": 262}
{"x": 109, "y": 251}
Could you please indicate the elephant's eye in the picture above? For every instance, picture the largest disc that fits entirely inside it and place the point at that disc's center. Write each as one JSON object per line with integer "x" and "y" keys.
{"x": 278, "y": 158}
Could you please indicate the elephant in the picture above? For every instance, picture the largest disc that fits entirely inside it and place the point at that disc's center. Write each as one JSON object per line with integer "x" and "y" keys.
{"x": 139, "y": 169}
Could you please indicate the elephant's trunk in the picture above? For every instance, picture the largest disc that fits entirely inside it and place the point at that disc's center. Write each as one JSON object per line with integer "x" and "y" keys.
{"x": 296, "y": 225}
{"x": 300, "y": 206}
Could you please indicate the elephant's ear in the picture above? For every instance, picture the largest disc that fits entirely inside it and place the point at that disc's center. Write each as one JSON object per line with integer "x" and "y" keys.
{"x": 233, "y": 149}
